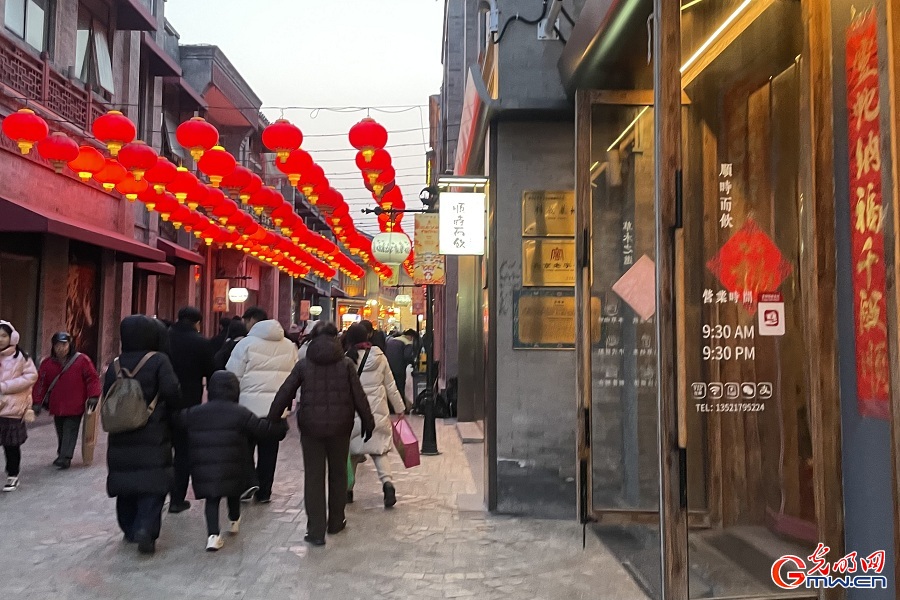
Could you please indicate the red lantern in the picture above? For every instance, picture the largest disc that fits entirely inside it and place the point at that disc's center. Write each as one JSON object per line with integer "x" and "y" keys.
{"x": 224, "y": 210}
{"x": 58, "y": 149}
{"x": 198, "y": 195}
{"x": 197, "y": 136}
{"x": 165, "y": 206}
{"x": 217, "y": 164}
{"x": 115, "y": 130}
{"x": 25, "y": 128}
{"x": 382, "y": 181}
{"x": 149, "y": 198}
{"x": 379, "y": 160}
{"x": 138, "y": 158}
{"x": 183, "y": 217}
{"x": 237, "y": 180}
{"x": 161, "y": 174}
{"x": 214, "y": 198}
{"x": 312, "y": 178}
{"x": 282, "y": 212}
{"x": 389, "y": 198}
{"x": 367, "y": 136}
{"x": 282, "y": 138}
{"x": 296, "y": 163}
{"x": 330, "y": 197}
{"x": 131, "y": 187}
{"x": 256, "y": 184}
{"x": 111, "y": 174}
{"x": 182, "y": 184}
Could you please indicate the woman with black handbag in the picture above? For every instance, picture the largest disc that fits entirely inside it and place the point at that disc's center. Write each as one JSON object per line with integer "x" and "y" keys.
{"x": 67, "y": 386}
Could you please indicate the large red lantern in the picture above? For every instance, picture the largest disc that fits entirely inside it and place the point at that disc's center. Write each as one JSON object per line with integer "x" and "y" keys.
{"x": 224, "y": 210}
{"x": 282, "y": 212}
{"x": 367, "y": 136}
{"x": 312, "y": 178}
{"x": 330, "y": 197}
{"x": 282, "y": 138}
{"x": 182, "y": 184}
{"x": 182, "y": 216}
{"x": 214, "y": 198}
{"x": 165, "y": 206}
{"x": 138, "y": 158}
{"x": 216, "y": 164}
{"x": 237, "y": 180}
{"x": 131, "y": 187}
{"x": 25, "y": 128}
{"x": 111, "y": 174}
{"x": 58, "y": 149}
{"x": 383, "y": 180}
{"x": 296, "y": 163}
{"x": 256, "y": 184}
{"x": 197, "y": 136}
{"x": 389, "y": 198}
{"x": 380, "y": 160}
{"x": 115, "y": 130}
{"x": 161, "y": 174}
{"x": 198, "y": 195}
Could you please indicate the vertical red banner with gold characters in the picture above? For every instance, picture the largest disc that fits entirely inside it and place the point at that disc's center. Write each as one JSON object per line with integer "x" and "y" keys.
{"x": 867, "y": 218}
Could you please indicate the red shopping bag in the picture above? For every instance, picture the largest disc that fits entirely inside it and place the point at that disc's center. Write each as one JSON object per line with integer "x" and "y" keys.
{"x": 406, "y": 443}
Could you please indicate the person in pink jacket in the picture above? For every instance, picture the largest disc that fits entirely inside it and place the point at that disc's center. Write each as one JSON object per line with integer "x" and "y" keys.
{"x": 67, "y": 384}
{"x": 17, "y": 377}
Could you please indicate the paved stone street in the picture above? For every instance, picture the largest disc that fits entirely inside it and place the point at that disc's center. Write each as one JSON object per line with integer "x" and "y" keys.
{"x": 60, "y": 540}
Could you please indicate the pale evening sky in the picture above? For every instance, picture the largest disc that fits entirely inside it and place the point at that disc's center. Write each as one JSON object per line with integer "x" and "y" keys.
{"x": 334, "y": 53}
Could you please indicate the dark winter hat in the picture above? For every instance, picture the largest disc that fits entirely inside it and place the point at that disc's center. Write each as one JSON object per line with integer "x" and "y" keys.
{"x": 190, "y": 314}
{"x": 223, "y": 387}
{"x": 61, "y": 337}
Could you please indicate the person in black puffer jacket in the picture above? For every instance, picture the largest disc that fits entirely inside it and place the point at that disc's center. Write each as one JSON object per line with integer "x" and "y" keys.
{"x": 140, "y": 461}
{"x": 192, "y": 358}
{"x": 219, "y": 434}
{"x": 331, "y": 395}
{"x": 236, "y": 332}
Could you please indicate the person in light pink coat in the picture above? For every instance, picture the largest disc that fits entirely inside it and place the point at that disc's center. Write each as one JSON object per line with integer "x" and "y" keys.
{"x": 17, "y": 376}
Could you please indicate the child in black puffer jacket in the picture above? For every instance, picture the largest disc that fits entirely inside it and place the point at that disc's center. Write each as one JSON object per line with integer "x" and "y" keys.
{"x": 219, "y": 434}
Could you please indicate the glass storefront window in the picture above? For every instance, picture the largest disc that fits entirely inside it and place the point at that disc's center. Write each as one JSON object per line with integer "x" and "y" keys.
{"x": 745, "y": 353}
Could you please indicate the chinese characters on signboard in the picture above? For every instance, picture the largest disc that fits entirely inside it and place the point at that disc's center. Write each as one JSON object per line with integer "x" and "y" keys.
{"x": 548, "y": 262}
{"x": 627, "y": 244}
{"x": 429, "y": 264}
{"x": 462, "y": 224}
{"x": 867, "y": 218}
{"x": 548, "y": 214}
{"x": 726, "y": 172}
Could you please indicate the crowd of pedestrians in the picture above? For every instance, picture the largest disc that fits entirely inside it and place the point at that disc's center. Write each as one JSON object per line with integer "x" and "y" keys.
{"x": 184, "y": 411}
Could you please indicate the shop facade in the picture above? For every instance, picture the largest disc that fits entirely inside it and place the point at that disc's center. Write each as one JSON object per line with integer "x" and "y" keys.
{"x": 732, "y": 291}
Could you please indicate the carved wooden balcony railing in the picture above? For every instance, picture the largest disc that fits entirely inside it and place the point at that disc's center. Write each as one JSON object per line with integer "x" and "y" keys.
{"x": 34, "y": 80}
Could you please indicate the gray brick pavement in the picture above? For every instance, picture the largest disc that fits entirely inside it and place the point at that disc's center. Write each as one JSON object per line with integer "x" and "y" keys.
{"x": 59, "y": 539}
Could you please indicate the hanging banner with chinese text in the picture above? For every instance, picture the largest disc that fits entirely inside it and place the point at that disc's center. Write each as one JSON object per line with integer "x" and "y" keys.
{"x": 429, "y": 263}
{"x": 867, "y": 219}
{"x": 462, "y": 223}
{"x": 418, "y": 301}
{"x": 220, "y": 295}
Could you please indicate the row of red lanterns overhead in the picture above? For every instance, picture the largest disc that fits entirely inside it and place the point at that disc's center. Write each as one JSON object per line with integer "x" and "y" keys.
{"x": 135, "y": 170}
{"x": 379, "y": 177}
{"x": 285, "y": 140}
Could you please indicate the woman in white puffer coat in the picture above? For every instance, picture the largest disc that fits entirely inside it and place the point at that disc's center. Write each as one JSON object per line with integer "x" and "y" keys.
{"x": 17, "y": 376}
{"x": 380, "y": 387}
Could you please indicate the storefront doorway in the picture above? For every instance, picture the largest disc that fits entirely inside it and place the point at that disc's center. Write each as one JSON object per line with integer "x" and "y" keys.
{"x": 742, "y": 365}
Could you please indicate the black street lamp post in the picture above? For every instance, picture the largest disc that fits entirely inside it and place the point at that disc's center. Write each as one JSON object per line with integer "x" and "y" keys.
{"x": 429, "y": 431}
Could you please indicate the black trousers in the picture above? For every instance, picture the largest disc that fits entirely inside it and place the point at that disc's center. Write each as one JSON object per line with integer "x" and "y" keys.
{"x": 212, "y": 512}
{"x": 140, "y": 515}
{"x": 13, "y": 459}
{"x": 67, "y": 429}
{"x": 317, "y": 453}
{"x": 266, "y": 459}
{"x": 181, "y": 467}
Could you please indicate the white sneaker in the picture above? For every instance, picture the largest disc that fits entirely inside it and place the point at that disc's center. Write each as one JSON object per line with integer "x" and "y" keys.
{"x": 214, "y": 542}
{"x": 234, "y": 527}
{"x": 12, "y": 483}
